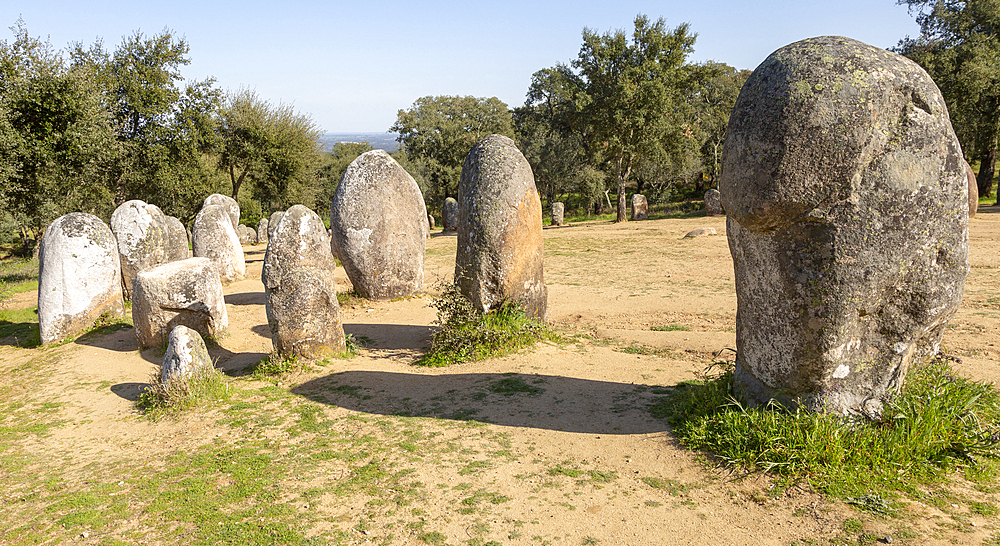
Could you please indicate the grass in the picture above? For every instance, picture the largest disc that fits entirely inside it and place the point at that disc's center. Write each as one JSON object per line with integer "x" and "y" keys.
{"x": 205, "y": 386}
{"x": 671, "y": 328}
{"x": 938, "y": 424}
{"x": 466, "y": 334}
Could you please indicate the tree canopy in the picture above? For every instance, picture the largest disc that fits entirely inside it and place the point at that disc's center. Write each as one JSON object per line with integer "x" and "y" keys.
{"x": 959, "y": 47}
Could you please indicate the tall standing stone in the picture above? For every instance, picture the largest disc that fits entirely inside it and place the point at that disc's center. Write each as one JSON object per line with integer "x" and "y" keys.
{"x": 299, "y": 239}
{"x": 640, "y": 207}
{"x": 143, "y": 236}
{"x": 558, "y": 211}
{"x": 713, "y": 203}
{"x": 214, "y": 237}
{"x": 228, "y": 204}
{"x": 79, "y": 276}
{"x": 449, "y": 214}
{"x": 847, "y": 209}
{"x": 262, "y": 231}
{"x": 379, "y": 225}
{"x": 177, "y": 246}
{"x": 272, "y": 222}
{"x": 499, "y": 255}
{"x": 973, "y": 190}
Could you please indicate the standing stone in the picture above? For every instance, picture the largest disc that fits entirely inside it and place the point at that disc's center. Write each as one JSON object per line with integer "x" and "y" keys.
{"x": 973, "y": 191}
{"x": 177, "y": 245}
{"x": 184, "y": 292}
{"x": 430, "y": 222}
{"x": 272, "y": 222}
{"x": 303, "y": 313}
{"x": 262, "y": 231}
{"x": 558, "y": 210}
{"x": 79, "y": 276}
{"x": 640, "y": 208}
{"x": 499, "y": 255}
{"x": 228, "y": 204}
{"x": 713, "y": 203}
{"x": 847, "y": 209}
{"x": 143, "y": 236}
{"x": 247, "y": 235}
{"x": 186, "y": 356}
{"x": 379, "y": 225}
{"x": 449, "y": 215}
{"x": 215, "y": 238}
{"x": 299, "y": 239}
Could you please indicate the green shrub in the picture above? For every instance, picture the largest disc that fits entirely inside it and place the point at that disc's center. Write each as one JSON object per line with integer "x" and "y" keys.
{"x": 202, "y": 387}
{"x": 466, "y": 334}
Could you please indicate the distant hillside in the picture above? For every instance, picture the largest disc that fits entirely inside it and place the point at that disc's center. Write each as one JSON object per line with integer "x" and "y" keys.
{"x": 379, "y": 141}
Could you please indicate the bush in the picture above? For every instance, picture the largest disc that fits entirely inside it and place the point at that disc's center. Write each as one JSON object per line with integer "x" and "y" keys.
{"x": 467, "y": 334}
{"x": 203, "y": 386}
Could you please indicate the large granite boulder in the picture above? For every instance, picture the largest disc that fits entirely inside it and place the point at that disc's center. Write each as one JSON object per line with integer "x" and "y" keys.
{"x": 214, "y": 237}
{"x": 847, "y": 209}
{"x": 379, "y": 227}
{"x": 499, "y": 255}
{"x": 303, "y": 313}
{"x": 449, "y": 215}
{"x": 228, "y": 204}
{"x": 79, "y": 276}
{"x": 177, "y": 245}
{"x": 640, "y": 207}
{"x": 713, "y": 203}
{"x": 144, "y": 238}
{"x": 299, "y": 239}
{"x": 185, "y": 357}
{"x": 184, "y": 292}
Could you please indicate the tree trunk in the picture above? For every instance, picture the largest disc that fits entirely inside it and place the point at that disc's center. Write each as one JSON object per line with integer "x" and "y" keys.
{"x": 622, "y": 217}
{"x": 237, "y": 182}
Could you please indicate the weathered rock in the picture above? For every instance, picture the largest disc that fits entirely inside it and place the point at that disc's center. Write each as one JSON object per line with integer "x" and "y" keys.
{"x": 847, "y": 209}
{"x": 143, "y": 236}
{"x": 247, "y": 235}
{"x": 713, "y": 203}
{"x": 558, "y": 210}
{"x": 184, "y": 292}
{"x": 640, "y": 208}
{"x": 262, "y": 232}
{"x": 449, "y": 214}
{"x": 973, "y": 191}
{"x": 701, "y": 232}
{"x": 379, "y": 225}
{"x": 300, "y": 239}
{"x": 272, "y": 222}
{"x": 186, "y": 355}
{"x": 177, "y": 245}
{"x": 215, "y": 238}
{"x": 499, "y": 255}
{"x": 79, "y": 276}
{"x": 303, "y": 313}
{"x": 228, "y": 204}
{"x": 430, "y": 221}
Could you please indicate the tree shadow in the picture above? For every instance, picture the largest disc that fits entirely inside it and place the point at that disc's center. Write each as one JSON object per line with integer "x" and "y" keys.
{"x": 21, "y": 334}
{"x": 518, "y": 400}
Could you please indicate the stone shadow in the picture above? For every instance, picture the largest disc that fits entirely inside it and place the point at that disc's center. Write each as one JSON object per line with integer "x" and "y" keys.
{"x": 116, "y": 337}
{"x": 519, "y": 400}
{"x": 129, "y": 391}
{"x": 392, "y": 337}
{"x": 247, "y": 298}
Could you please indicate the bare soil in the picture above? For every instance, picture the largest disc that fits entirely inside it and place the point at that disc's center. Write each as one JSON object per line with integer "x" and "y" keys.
{"x": 609, "y": 287}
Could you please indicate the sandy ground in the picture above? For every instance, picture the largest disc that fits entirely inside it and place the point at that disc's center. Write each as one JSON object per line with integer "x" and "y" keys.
{"x": 610, "y": 284}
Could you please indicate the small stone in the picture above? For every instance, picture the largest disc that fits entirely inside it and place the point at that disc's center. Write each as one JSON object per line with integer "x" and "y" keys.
{"x": 449, "y": 214}
{"x": 713, "y": 203}
{"x": 558, "y": 210}
{"x": 701, "y": 232}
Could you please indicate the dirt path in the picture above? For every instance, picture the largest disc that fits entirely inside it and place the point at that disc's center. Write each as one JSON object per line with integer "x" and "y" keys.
{"x": 610, "y": 285}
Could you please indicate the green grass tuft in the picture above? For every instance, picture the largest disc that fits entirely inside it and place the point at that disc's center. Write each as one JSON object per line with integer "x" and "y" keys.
{"x": 467, "y": 335}
{"x": 939, "y": 423}
{"x": 203, "y": 387}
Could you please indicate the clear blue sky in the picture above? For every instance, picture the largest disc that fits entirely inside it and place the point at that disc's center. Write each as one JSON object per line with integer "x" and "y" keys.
{"x": 352, "y": 65}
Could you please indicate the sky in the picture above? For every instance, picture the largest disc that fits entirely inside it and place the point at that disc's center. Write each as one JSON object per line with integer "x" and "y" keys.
{"x": 351, "y": 66}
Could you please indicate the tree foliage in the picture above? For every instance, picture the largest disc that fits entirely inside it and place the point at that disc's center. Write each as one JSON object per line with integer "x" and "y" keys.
{"x": 959, "y": 47}
{"x": 437, "y": 133}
